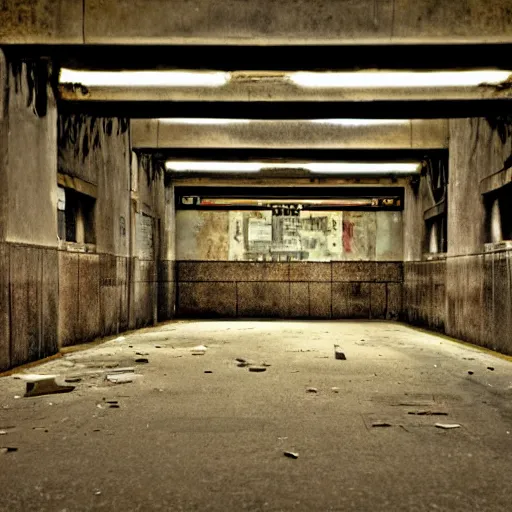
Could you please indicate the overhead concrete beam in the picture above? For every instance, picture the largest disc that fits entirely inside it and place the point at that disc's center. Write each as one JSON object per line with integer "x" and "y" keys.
{"x": 255, "y": 22}
{"x": 280, "y": 89}
{"x": 289, "y": 134}
{"x": 41, "y": 22}
{"x": 297, "y": 21}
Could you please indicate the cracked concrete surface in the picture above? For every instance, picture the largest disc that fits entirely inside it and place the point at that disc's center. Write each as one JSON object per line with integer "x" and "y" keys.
{"x": 183, "y": 439}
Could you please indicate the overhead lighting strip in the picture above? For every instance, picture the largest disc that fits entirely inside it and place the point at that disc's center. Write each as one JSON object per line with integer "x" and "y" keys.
{"x": 353, "y": 168}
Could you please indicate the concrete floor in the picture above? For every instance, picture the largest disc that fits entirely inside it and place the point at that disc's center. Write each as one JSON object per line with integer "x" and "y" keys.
{"x": 183, "y": 439}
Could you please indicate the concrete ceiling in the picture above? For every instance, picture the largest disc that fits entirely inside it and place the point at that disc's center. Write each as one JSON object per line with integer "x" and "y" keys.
{"x": 260, "y": 22}
{"x": 289, "y": 134}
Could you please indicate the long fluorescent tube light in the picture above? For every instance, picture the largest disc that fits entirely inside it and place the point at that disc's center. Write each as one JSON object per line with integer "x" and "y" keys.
{"x": 313, "y": 167}
{"x": 361, "y": 122}
{"x": 144, "y": 78}
{"x": 332, "y": 122}
{"x": 398, "y": 79}
{"x": 203, "y": 121}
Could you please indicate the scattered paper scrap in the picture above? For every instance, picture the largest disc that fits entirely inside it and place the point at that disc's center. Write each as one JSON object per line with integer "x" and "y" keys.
{"x": 200, "y": 350}
{"x": 122, "y": 378}
{"x": 291, "y": 455}
{"x": 447, "y": 426}
{"x": 335, "y": 390}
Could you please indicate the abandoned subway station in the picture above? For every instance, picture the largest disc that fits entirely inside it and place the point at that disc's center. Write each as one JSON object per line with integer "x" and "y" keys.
{"x": 255, "y": 255}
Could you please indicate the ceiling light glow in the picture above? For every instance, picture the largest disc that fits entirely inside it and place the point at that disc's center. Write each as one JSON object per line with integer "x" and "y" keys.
{"x": 144, "y": 78}
{"x": 354, "y": 168}
{"x": 398, "y": 79}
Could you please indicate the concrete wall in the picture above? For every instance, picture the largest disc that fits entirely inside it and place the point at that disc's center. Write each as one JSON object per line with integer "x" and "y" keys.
{"x": 203, "y": 235}
{"x": 28, "y": 213}
{"x": 466, "y": 293}
{"x": 126, "y": 280}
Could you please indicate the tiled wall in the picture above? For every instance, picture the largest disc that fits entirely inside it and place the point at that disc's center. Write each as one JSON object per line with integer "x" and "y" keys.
{"x": 290, "y": 290}
{"x": 467, "y": 297}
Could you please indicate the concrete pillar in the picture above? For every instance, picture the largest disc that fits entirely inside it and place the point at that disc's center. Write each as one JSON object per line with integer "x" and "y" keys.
{"x": 28, "y": 212}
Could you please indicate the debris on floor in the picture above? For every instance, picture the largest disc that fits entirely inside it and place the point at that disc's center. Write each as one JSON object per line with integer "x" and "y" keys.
{"x": 257, "y": 369}
{"x": 381, "y": 424}
{"x": 143, "y": 360}
{"x": 208, "y": 371}
{"x": 311, "y": 390}
{"x": 470, "y": 372}
{"x": 447, "y": 426}
{"x": 38, "y": 385}
{"x": 200, "y": 350}
{"x": 3, "y": 433}
{"x": 8, "y": 449}
{"x": 291, "y": 455}
{"x": 240, "y": 360}
{"x": 158, "y": 346}
{"x": 339, "y": 354}
{"x": 126, "y": 369}
{"x": 335, "y": 390}
{"x": 73, "y": 380}
{"x": 120, "y": 378}
{"x": 428, "y": 413}
{"x": 490, "y": 368}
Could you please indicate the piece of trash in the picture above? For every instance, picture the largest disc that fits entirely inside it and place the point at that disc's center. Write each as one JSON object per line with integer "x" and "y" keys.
{"x": 428, "y": 413}
{"x": 339, "y": 354}
{"x": 72, "y": 380}
{"x": 335, "y": 390}
{"x": 158, "y": 346}
{"x": 291, "y": 455}
{"x": 257, "y": 369}
{"x": 111, "y": 402}
{"x": 120, "y": 378}
{"x": 240, "y": 360}
{"x": 16, "y": 397}
{"x": 127, "y": 369}
{"x": 97, "y": 430}
{"x": 490, "y": 368}
{"x": 470, "y": 372}
{"x": 114, "y": 406}
{"x": 142, "y": 353}
{"x": 120, "y": 339}
{"x": 40, "y": 428}
{"x": 38, "y": 385}
{"x": 200, "y": 350}
{"x": 3, "y": 433}
{"x": 208, "y": 371}
{"x": 8, "y": 449}
{"x": 381, "y": 424}
{"x": 142, "y": 360}
{"x": 97, "y": 493}
{"x": 312, "y": 390}
{"x": 447, "y": 426}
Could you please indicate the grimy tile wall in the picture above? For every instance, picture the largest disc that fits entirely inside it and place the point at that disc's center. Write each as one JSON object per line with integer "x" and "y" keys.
{"x": 362, "y": 290}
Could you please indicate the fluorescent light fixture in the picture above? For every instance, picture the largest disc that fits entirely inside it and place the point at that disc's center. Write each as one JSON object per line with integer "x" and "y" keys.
{"x": 354, "y": 168}
{"x": 144, "y": 78}
{"x": 361, "y": 122}
{"x": 398, "y": 79}
{"x": 200, "y": 121}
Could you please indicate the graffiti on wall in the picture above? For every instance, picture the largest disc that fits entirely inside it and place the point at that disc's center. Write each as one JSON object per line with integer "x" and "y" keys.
{"x": 267, "y": 236}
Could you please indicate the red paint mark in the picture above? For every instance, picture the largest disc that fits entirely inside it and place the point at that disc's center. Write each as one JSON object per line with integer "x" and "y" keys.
{"x": 348, "y": 235}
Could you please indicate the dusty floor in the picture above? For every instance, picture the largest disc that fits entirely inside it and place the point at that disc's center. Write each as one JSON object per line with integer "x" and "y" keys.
{"x": 183, "y": 439}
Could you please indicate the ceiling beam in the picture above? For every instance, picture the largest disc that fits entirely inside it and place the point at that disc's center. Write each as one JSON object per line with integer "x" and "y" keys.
{"x": 260, "y": 22}
{"x": 290, "y": 134}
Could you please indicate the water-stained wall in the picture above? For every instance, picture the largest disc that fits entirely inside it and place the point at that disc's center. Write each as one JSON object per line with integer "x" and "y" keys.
{"x": 239, "y": 235}
{"x": 467, "y": 291}
{"x": 28, "y": 227}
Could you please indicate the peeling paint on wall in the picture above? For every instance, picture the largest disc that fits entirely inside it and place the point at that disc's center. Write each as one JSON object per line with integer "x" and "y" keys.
{"x": 238, "y": 235}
